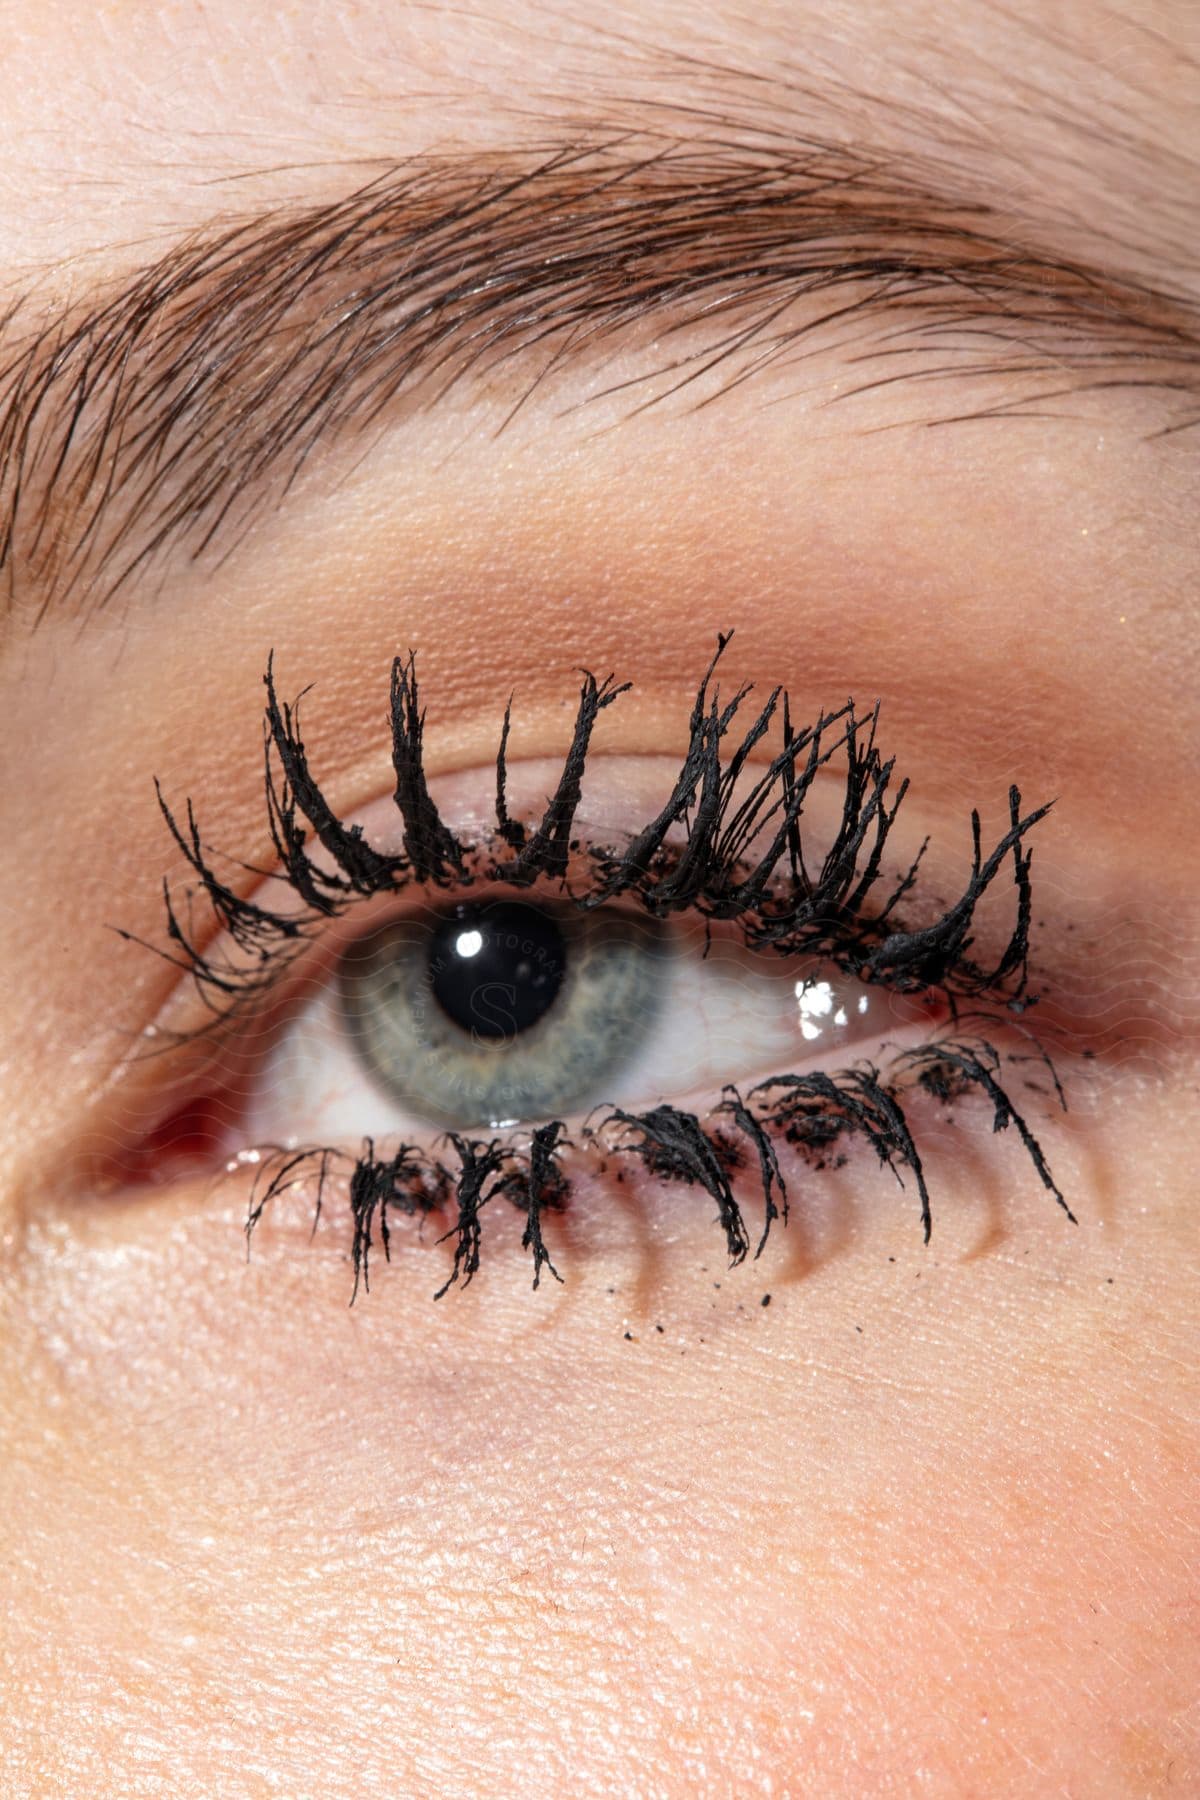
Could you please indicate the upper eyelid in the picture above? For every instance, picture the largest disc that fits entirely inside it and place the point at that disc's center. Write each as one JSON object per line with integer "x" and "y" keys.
{"x": 721, "y": 820}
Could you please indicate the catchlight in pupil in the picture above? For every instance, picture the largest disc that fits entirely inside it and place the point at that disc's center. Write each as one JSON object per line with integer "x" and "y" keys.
{"x": 495, "y": 970}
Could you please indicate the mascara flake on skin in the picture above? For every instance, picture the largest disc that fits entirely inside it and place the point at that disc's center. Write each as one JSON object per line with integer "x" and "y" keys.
{"x": 728, "y": 845}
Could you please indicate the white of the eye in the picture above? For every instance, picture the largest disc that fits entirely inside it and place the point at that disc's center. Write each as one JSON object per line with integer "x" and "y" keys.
{"x": 727, "y": 1016}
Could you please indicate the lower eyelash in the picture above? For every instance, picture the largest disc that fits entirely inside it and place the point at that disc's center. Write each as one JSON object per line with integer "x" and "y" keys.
{"x": 809, "y": 1111}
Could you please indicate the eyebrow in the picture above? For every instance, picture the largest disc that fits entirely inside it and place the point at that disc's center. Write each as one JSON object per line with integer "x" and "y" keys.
{"x": 162, "y": 413}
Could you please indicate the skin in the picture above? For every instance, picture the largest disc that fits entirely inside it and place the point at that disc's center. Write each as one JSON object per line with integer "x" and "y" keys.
{"x": 929, "y": 1522}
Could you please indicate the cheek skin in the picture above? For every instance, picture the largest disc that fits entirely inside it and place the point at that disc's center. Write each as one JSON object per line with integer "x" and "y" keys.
{"x": 934, "y": 1514}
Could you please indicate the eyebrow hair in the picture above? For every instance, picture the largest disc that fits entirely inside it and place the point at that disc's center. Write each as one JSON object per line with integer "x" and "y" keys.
{"x": 167, "y": 409}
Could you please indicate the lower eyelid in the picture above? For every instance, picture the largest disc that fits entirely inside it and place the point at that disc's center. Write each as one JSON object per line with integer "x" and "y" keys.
{"x": 640, "y": 1194}
{"x": 207, "y": 1131}
{"x": 649, "y": 1195}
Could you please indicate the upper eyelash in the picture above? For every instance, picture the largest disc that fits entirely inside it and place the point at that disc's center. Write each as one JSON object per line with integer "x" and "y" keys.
{"x": 823, "y": 912}
{"x": 713, "y": 872}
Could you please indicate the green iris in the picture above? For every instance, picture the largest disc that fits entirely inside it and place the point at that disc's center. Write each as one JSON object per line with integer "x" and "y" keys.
{"x": 499, "y": 1011}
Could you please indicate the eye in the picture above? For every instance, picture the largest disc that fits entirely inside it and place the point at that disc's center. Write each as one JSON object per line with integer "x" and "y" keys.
{"x": 491, "y": 1012}
{"x": 702, "y": 980}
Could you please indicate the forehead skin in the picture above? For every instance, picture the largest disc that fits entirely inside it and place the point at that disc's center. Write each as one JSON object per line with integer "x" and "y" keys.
{"x": 928, "y": 1522}
{"x": 1084, "y": 115}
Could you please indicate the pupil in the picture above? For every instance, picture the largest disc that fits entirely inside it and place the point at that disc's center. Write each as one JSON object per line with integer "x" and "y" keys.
{"x": 495, "y": 970}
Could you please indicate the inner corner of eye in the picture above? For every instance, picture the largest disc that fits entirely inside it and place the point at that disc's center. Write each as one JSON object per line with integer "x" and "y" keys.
{"x": 188, "y": 1137}
{"x": 492, "y": 1009}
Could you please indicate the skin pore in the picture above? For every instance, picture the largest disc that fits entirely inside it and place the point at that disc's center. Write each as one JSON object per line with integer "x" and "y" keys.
{"x": 927, "y": 1522}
